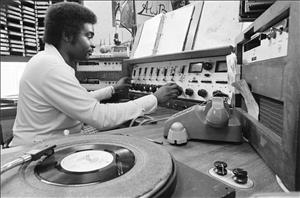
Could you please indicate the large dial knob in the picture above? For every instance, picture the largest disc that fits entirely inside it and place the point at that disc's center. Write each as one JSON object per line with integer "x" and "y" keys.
{"x": 207, "y": 66}
{"x": 189, "y": 92}
{"x": 202, "y": 93}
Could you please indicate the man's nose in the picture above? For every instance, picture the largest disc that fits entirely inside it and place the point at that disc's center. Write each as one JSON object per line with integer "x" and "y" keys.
{"x": 92, "y": 44}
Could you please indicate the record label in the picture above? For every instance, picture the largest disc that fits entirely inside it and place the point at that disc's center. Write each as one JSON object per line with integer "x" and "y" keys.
{"x": 86, "y": 161}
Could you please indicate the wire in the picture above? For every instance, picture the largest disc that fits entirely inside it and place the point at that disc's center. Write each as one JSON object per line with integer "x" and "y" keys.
{"x": 153, "y": 120}
{"x": 122, "y": 25}
{"x": 134, "y": 120}
{"x": 146, "y": 120}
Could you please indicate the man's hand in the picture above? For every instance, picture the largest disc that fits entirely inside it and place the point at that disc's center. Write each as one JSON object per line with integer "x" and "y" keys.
{"x": 122, "y": 85}
{"x": 167, "y": 92}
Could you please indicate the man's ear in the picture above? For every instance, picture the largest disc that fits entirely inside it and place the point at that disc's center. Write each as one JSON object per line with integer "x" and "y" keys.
{"x": 67, "y": 37}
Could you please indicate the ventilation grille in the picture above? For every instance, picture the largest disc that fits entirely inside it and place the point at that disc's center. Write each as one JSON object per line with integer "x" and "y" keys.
{"x": 271, "y": 114}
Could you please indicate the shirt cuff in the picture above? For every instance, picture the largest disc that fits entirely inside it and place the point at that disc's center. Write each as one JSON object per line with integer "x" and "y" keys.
{"x": 112, "y": 90}
{"x": 102, "y": 94}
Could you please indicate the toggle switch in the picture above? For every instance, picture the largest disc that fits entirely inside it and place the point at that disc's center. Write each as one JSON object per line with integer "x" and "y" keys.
{"x": 220, "y": 168}
{"x": 240, "y": 176}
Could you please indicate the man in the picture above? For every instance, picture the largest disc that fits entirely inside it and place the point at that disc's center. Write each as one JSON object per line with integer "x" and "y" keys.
{"x": 51, "y": 100}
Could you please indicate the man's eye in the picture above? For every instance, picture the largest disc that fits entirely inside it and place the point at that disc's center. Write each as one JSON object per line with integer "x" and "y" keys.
{"x": 89, "y": 36}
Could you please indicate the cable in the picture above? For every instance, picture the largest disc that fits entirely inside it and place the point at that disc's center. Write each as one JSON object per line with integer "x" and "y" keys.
{"x": 134, "y": 120}
{"x": 153, "y": 120}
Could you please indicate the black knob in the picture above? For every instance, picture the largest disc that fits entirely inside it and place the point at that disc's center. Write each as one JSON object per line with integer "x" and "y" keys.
{"x": 137, "y": 87}
{"x": 140, "y": 87}
{"x": 179, "y": 91}
{"x": 220, "y": 168}
{"x": 153, "y": 88}
{"x": 272, "y": 33}
{"x": 219, "y": 93}
{"x": 263, "y": 36}
{"x": 207, "y": 66}
{"x": 144, "y": 87}
{"x": 133, "y": 86}
{"x": 202, "y": 93}
{"x": 240, "y": 176}
{"x": 147, "y": 88}
{"x": 189, "y": 92}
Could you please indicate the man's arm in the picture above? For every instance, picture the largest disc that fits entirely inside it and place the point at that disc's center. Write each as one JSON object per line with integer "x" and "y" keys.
{"x": 63, "y": 91}
{"x": 102, "y": 94}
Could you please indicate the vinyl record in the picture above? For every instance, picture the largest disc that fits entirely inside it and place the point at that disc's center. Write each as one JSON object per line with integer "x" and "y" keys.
{"x": 86, "y": 164}
{"x": 147, "y": 169}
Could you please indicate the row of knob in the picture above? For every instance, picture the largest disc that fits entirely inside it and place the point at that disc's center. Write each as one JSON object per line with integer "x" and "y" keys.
{"x": 152, "y": 88}
{"x": 145, "y": 87}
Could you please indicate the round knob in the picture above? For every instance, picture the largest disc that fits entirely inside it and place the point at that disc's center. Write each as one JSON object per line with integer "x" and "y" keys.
{"x": 153, "y": 88}
{"x": 139, "y": 87}
{"x": 220, "y": 168}
{"x": 207, "y": 66}
{"x": 147, "y": 88}
{"x": 202, "y": 93}
{"x": 143, "y": 87}
{"x": 179, "y": 91}
{"x": 240, "y": 176}
{"x": 133, "y": 86}
{"x": 272, "y": 34}
{"x": 189, "y": 92}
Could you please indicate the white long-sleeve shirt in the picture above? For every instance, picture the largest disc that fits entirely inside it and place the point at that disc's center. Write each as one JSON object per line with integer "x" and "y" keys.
{"x": 51, "y": 100}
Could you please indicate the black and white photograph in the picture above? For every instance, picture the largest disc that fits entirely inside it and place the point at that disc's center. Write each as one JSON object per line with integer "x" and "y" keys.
{"x": 150, "y": 98}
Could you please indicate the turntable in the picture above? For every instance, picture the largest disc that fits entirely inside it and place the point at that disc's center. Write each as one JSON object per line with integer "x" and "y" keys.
{"x": 105, "y": 165}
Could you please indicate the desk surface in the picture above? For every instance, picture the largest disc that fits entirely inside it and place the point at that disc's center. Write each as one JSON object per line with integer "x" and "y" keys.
{"x": 201, "y": 155}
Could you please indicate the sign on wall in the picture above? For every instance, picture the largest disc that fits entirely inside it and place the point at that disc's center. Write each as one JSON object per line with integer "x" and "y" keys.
{"x": 143, "y": 10}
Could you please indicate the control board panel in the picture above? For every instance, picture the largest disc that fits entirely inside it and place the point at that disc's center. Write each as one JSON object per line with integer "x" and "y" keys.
{"x": 99, "y": 72}
{"x": 200, "y": 77}
{"x": 97, "y": 65}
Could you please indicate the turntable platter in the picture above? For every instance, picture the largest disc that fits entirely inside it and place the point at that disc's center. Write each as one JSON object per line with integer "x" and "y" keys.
{"x": 146, "y": 169}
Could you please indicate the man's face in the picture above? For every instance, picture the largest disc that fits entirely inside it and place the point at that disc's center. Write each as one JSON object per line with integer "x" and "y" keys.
{"x": 82, "y": 46}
